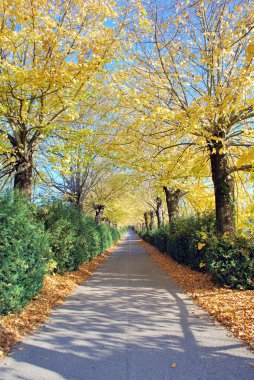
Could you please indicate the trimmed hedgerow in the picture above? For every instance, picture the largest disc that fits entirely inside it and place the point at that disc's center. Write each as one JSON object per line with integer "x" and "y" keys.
{"x": 192, "y": 241}
{"x": 184, "y": 240}
{"x": 105, "y": 237}
{"x": 54, "y": 238}
{"x": 23, "y": 253}
{"x": 74, "y": 237}
{"x": 65, "y": 229}
{"x": 231, "y": 261}
{"x": 92, "y": 235}
{"x": 116, "y": 234}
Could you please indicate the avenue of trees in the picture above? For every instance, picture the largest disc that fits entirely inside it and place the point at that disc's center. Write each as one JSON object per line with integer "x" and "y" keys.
{"x": 129, "y": 113}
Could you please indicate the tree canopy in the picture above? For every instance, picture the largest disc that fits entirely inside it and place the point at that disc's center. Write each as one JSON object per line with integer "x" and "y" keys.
{"x": 98, "y": 99}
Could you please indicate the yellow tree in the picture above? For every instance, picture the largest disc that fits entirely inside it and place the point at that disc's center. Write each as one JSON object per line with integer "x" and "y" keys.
{"x": 112, "y": 186}
{"x": 50, "y": 53}
{"x": 75, "y": 158}
{"x": 191, "y": 88}
{"x": 164, "y": 171}
{"x": 74, "y": 172}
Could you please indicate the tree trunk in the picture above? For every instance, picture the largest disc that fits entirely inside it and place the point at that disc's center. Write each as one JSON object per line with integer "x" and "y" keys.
{"x": 151, "y": 219}
{"x": 75, "y": 199}
{"x": 163, "y": 216}
{"x": 172, "y": 199}
{"x": 224, "y": 193}
{"x": 159, "y": 211}
{"x": 146, "y": 220}
{"x": 23, "y": 178}
{"x": 99, "y": 209}
{"x": 79, "y": 200}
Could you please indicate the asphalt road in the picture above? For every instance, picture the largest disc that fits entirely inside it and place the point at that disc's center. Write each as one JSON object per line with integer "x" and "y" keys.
{"x": 129, "y": 321}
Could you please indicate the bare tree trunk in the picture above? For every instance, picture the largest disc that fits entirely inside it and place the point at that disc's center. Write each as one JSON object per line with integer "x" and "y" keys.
{"x": 23, "y": 177}
{"x": 159, "y": 211}
{"x": 152, "y": 222}
{"x": 224, "y": 193}
{"x": 146, "y": 215}
{"x": 76, "y": 200}
{"x": 172, "y": 199}
{"x": 99, "y": 209}
{"x": 163, "y": 216}
{"x": 22, "y": 150}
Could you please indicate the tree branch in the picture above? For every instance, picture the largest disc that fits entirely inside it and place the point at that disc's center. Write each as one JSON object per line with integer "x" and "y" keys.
{"x": 245, "y": 168}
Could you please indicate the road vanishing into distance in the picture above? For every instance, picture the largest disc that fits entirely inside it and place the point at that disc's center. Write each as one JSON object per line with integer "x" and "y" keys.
{"x": 129, "y": 321}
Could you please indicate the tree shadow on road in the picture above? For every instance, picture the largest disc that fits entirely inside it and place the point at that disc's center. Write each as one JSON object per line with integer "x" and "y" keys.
{"x": 130, "y": 321}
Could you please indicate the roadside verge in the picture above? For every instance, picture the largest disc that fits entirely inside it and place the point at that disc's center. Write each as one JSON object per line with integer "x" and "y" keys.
{"x": 55, "y": 290}
{"x": 232, "y": 308}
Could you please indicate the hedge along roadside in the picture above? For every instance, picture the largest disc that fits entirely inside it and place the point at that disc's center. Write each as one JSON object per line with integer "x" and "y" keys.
{"x": 24, "y": 251}
{"x": 192, "y": 242}
{"x": 35, "y": 241}
{"x": 74, "y": 237}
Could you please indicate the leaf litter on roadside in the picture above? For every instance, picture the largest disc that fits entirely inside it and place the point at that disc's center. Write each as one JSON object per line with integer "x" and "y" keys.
{"x": 232, "y": 308}
{"x": 55, "y": 290}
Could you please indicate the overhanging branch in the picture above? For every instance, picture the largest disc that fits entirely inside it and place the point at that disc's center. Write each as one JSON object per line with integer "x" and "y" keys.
{"x": 245, "y": 168}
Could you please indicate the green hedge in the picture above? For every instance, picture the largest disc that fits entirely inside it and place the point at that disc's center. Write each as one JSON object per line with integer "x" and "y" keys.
{"x": 93, "y": 237}
{"x": 65, "y": 228}
{"x": 187, "y": 238}
{"x": 192, "y": 241}
{"x": 116, "y": 234}
{"x": 105, "y": 237}
{"x": 23, "y": 253}
{"x": 34, "y": 241}
{"x": 231, "y": 261}
{"x": 74, "y": 237}
{"x": 183, "y": 239}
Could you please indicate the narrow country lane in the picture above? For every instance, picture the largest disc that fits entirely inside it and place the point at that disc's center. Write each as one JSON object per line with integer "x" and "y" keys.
{"x": 129, "y": 321}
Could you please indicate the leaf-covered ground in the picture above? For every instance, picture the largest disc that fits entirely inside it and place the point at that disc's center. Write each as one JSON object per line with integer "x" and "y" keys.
{"x": 233, "y": 308}
{"x": 54, "y": 292}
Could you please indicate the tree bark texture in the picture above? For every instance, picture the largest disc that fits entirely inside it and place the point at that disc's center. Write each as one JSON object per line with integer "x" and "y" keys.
{"x": 163, "y": 216}
{"x": 152, "y": 222}
{"x": 99, "y": 209}
{"x": 224, "y": 194}
{"x": 75, "y": 198}
{"x": 23, "y": 177}
{"x": 159, "y": 211}
{"x": 172, "y": 199}
{"x": 146, "y": 217}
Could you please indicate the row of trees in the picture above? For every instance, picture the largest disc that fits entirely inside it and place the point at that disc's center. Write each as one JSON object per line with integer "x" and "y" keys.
{"x": 172, "y": 200}
{"x": 127, "y": 105}
{"x": 186, "y": 103}
{"x": 53, "y": 71}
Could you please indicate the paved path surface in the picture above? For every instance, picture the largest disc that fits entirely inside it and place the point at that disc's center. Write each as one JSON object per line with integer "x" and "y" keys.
{"x": 129, "y": 321}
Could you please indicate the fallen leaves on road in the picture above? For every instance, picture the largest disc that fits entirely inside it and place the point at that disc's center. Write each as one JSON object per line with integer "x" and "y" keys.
{"x": 54, "y": 292}
{"x": 233, "y": 308}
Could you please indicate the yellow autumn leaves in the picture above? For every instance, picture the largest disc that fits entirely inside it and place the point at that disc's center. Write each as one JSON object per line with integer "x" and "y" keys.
{"x": 201, "y": 245}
